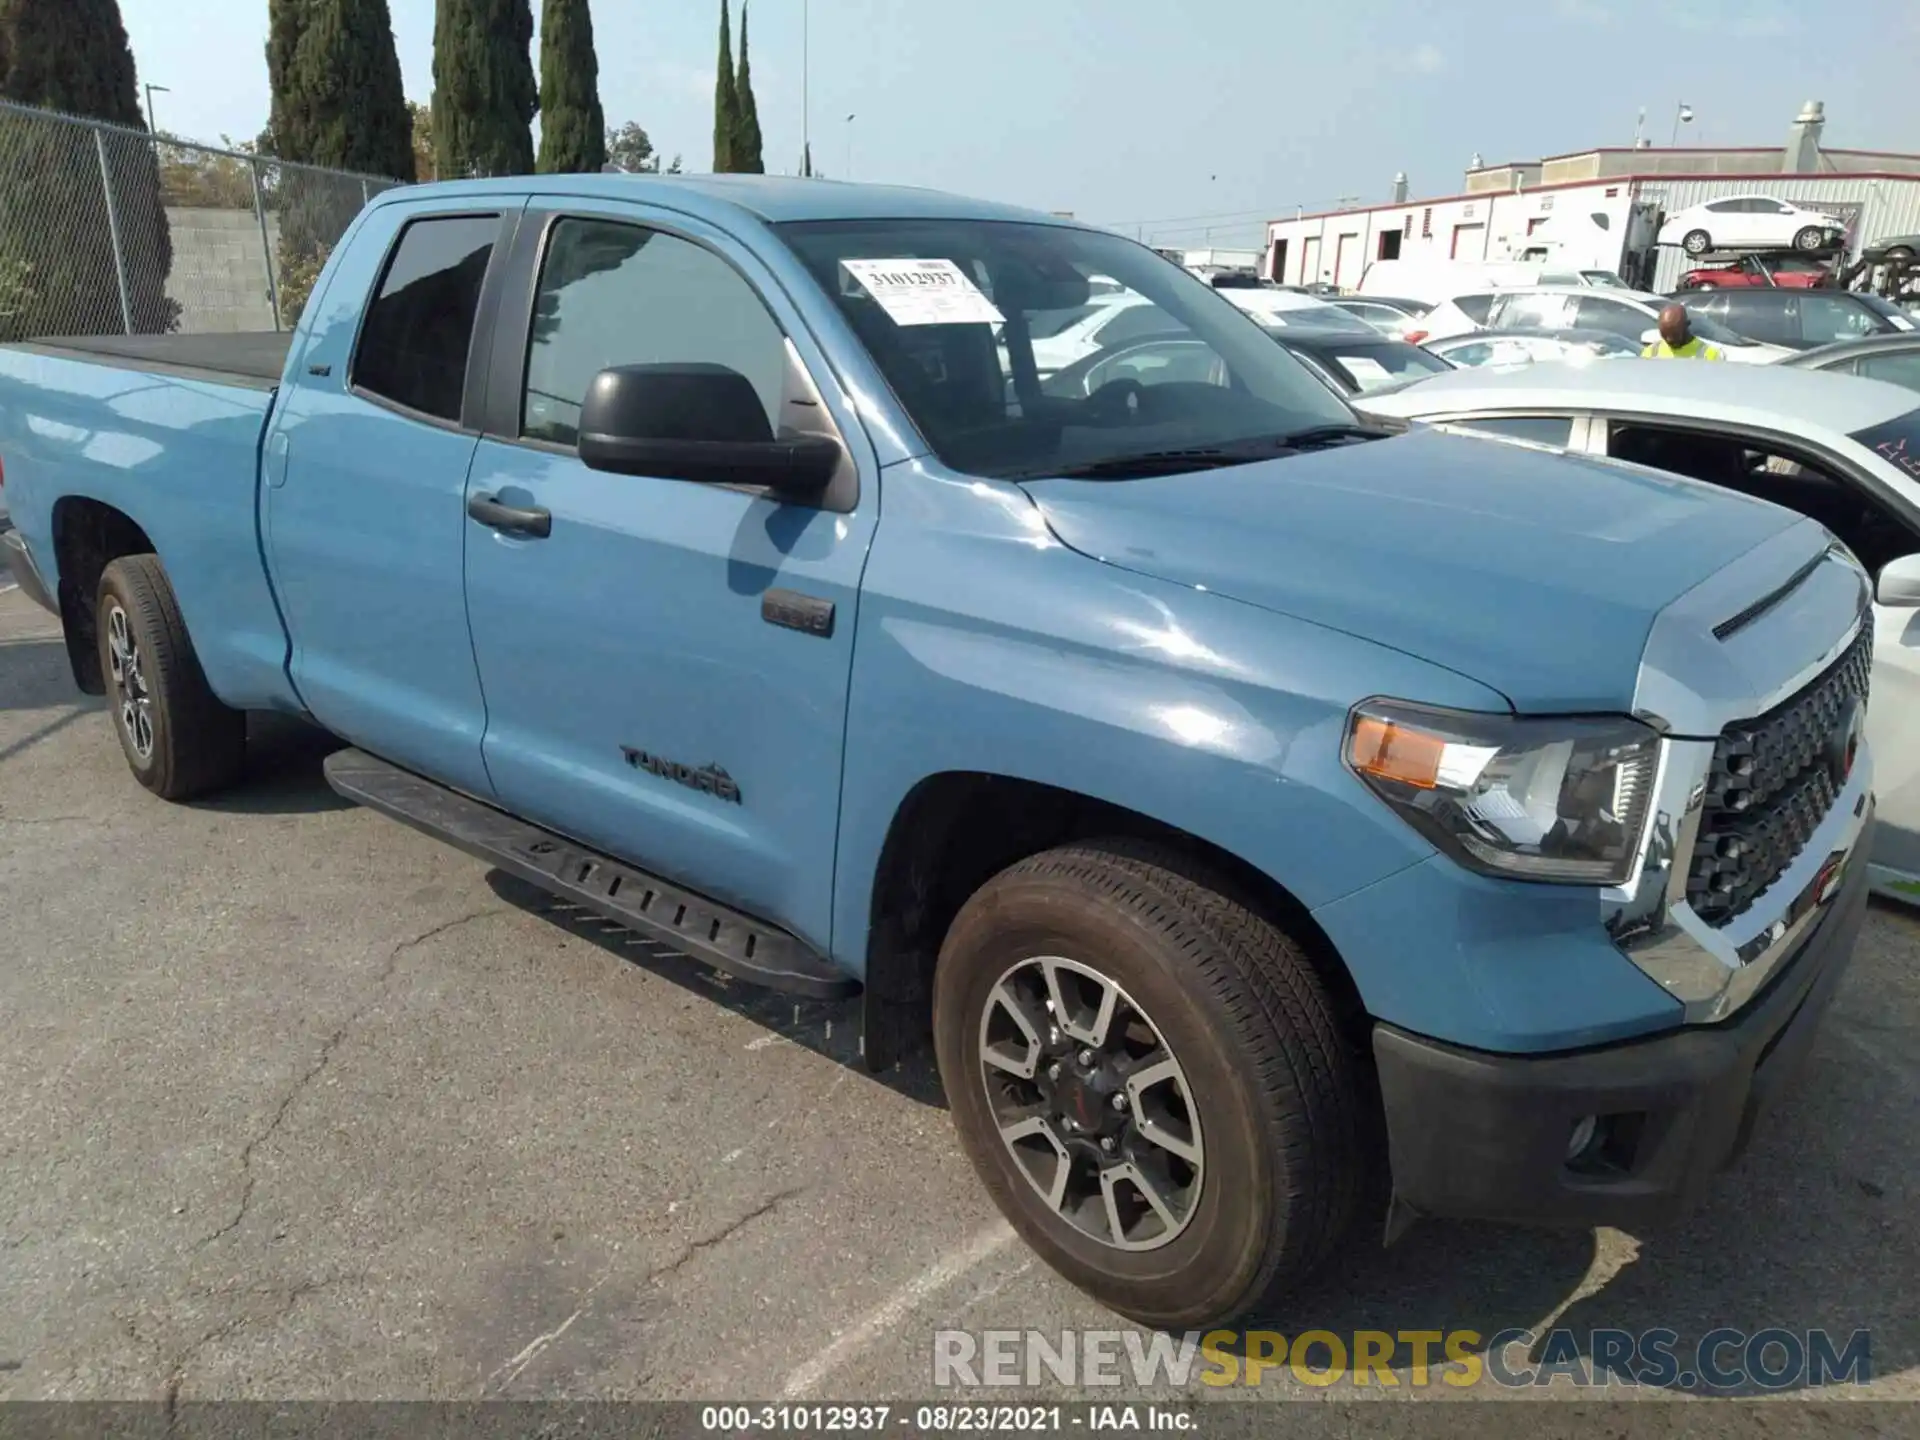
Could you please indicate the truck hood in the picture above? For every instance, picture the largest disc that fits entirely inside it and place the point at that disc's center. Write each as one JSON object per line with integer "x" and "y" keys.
{"x": 1536, "y": 573}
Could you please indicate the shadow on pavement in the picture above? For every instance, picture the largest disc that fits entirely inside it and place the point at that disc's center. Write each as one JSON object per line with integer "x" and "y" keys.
{"x": 35, "y": 675}
{"x": 284, "y": 756}
{"x": 830, "y": 1028}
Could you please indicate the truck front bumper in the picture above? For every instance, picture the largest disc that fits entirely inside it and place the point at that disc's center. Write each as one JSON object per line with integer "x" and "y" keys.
{"x": 13, "y": 547}
{"x": 1484, "y": 1136}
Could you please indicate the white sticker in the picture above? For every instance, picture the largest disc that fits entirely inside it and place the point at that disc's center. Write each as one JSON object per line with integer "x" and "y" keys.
{"x": 924, "y": 292}
{"x": 1367, "y": 372}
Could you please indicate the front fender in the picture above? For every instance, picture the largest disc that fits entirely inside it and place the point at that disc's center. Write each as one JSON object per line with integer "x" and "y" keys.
{"x": 986, "y": 646}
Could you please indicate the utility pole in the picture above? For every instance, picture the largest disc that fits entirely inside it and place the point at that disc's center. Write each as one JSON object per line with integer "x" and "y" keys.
{"x": 806, "y": 103}
{"x": 152, "y": 128}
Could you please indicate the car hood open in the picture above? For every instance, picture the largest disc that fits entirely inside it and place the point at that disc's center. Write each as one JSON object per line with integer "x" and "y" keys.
{"x": 1533, "y": 572}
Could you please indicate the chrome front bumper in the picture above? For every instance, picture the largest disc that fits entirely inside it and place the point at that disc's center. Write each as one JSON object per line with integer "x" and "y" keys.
{"x": 1714, "y": 971}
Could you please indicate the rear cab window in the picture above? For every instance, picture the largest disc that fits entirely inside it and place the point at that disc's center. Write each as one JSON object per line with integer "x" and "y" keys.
{"x": 418, "y": 331}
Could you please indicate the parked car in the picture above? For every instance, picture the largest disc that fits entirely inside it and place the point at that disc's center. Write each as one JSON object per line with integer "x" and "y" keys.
{"x": 1258, "y": 811}
{"x": 1843, "y": 451}
{"x": 1283, "y": 309}
{"x": 1531, "y": 347}
{"x": 1797, "y": 319}
{"x": 1788, "y": 271}
{"x": 1390, "y": 315}
{"x": 1351, "y": 363}
{"x": 1626, "y": 313}
{"x": 1892, "y": 249}
{"x": 1361, "y": 364}
{"x": 1894, "y": 358}
{"x": 1434, "y": 280}
{"x": 1750, "y": 222}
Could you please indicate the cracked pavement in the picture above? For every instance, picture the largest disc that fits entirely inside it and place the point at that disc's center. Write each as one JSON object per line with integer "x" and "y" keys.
{"x": 295, "y": 1103}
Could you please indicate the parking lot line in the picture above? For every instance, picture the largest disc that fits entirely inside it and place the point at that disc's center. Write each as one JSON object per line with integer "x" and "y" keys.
{"x": 935, "y": 1278}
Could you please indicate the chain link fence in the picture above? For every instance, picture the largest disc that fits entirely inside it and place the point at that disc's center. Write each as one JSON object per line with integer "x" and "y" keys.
{"x": 106, "y": 230}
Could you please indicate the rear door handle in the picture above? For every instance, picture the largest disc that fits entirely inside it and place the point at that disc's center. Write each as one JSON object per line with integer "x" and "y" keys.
{"x": 516, "y": 519}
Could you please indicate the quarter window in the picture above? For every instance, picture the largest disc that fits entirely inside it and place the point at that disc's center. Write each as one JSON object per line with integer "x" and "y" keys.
{"x": 615, "y": 294}
{"x": 419, "y": 328}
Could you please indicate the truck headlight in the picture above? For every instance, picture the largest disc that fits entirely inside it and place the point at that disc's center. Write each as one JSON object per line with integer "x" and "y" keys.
{"x": 1561, "y": 800}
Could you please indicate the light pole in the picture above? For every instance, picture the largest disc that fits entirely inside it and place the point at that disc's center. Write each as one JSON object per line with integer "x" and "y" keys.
{"x": 806, "y": 106}
{"x": 849, "y": 147}
{"x": 1682, "y": 115}
{"x": 151, "y": 127}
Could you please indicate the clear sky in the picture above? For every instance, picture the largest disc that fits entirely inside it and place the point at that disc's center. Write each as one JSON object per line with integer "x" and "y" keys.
{"x": 1194, "y": 129}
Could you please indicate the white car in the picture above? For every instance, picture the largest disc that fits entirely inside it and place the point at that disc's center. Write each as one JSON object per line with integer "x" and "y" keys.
{"x": 1840, "y": 449}
{"x": 1531, "y": 347}
{"x": 1281, "y": 309}
{"x": 1105, "y": 321}
{"x": 1749, "y": 222}
{"x": 1629, "y": 314}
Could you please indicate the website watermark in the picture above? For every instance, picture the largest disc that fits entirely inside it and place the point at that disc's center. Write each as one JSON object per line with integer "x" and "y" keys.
{"x": 1724, "y": 1359}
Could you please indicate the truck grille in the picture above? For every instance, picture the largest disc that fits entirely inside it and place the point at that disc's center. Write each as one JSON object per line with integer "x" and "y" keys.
{"x": 1770, "y": 787}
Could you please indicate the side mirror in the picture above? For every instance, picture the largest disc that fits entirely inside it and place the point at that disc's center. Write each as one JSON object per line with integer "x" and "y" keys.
{"x": 1898, "y": 583}
{"x": 698, "y": 422}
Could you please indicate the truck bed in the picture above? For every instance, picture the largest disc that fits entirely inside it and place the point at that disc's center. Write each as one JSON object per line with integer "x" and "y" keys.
{"x": 253, "y": 359}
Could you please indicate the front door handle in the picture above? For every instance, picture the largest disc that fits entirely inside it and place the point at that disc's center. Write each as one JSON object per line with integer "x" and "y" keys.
{"x": 517, "y": 519}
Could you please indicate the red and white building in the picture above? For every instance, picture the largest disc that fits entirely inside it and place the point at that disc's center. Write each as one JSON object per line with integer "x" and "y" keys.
{"x": 1603, "y": 206}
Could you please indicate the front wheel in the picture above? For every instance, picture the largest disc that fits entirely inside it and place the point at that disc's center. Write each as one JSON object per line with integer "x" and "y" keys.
{"x": 179, "y": 739}
{"x": 1150, "y": 1080}
{"x": 1810, "y": 239}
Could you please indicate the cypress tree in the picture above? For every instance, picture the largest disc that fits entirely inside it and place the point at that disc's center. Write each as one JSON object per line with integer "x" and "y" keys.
{"x": 71, "y": 56}
{"x": 335, "y": 76}
{"x": 484, "y": 97}
{"x": 726, "y": 107}
{"x": 58, "y": 271}
{"x": 573, "y": 127}
{"x": 746, "y": 129}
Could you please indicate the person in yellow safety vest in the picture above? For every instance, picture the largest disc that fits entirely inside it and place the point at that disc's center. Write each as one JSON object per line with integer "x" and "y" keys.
{"x": 1677, "y": 340}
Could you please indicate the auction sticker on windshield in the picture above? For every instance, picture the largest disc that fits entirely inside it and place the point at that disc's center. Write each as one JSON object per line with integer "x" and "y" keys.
{"x": 924, "y": 292}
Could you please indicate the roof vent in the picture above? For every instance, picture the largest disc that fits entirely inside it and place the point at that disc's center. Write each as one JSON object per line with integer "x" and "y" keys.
{"x": 1802, "y": 155}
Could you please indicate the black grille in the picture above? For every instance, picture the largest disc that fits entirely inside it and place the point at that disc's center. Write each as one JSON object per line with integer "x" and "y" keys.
{"x": 1770, "y": 787}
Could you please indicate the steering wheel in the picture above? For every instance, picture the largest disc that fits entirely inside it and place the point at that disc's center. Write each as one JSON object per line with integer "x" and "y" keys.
{"x": 1118, "y": 402}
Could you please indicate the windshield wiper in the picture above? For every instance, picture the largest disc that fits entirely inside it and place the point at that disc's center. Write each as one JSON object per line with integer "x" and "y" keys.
{"x": 1151, "y": 462}
{"x": 1318, "y": 437}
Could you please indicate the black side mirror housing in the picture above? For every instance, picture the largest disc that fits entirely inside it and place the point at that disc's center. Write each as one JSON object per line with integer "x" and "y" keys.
{"x": 698, "y": 422}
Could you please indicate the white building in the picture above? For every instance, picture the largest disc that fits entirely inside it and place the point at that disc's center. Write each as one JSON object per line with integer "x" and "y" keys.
{"x": 1601, "y": 207}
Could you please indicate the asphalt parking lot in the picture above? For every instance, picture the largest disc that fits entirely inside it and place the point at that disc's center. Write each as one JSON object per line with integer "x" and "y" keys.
{"x": 297, "y": 1103}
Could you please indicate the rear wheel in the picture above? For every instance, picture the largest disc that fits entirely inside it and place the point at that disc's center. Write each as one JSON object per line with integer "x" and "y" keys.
{"x": 1697, "y": 242}
{"x": 179, "y": 739}
{"x": 1150, "y": 1081}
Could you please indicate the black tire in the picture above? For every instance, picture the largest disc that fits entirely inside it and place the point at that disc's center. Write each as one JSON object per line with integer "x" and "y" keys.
{"x": 1900, "y": 254}
{"x": 1282, "y": 1095}
{"x": 1810, "y": 239}
{"x": 1696, "y": 242}
{"x": 190, "y": 744}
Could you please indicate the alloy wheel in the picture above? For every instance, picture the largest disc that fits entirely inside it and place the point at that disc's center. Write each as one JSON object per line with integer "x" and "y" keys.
{"x": 1091, "y": 1103}
{"x": 129, "y": 682}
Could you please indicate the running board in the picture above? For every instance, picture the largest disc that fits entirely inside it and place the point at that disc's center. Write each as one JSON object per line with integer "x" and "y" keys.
{"x": 697, "y": 927}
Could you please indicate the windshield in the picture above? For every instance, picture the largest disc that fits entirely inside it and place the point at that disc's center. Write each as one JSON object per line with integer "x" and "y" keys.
{"x": 953, "y": 313}
{"x": 1293, "y": 312}
{"x": 1371, "y": 368}
{"x": 1603, "y": 280}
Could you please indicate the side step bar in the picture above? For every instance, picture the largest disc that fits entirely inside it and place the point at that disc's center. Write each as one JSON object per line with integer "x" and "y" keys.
{"x": 697, "y": 927}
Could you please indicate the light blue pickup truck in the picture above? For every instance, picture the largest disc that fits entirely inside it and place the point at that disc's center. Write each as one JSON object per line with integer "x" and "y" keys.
{"x": 1275, "y": 823}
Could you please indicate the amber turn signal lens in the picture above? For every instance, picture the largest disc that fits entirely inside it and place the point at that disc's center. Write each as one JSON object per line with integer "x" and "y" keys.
{"x": 1396, "y": 752}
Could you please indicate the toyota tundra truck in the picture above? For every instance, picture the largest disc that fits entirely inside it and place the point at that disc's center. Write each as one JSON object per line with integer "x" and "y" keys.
{"x": 1275, "y": 824}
